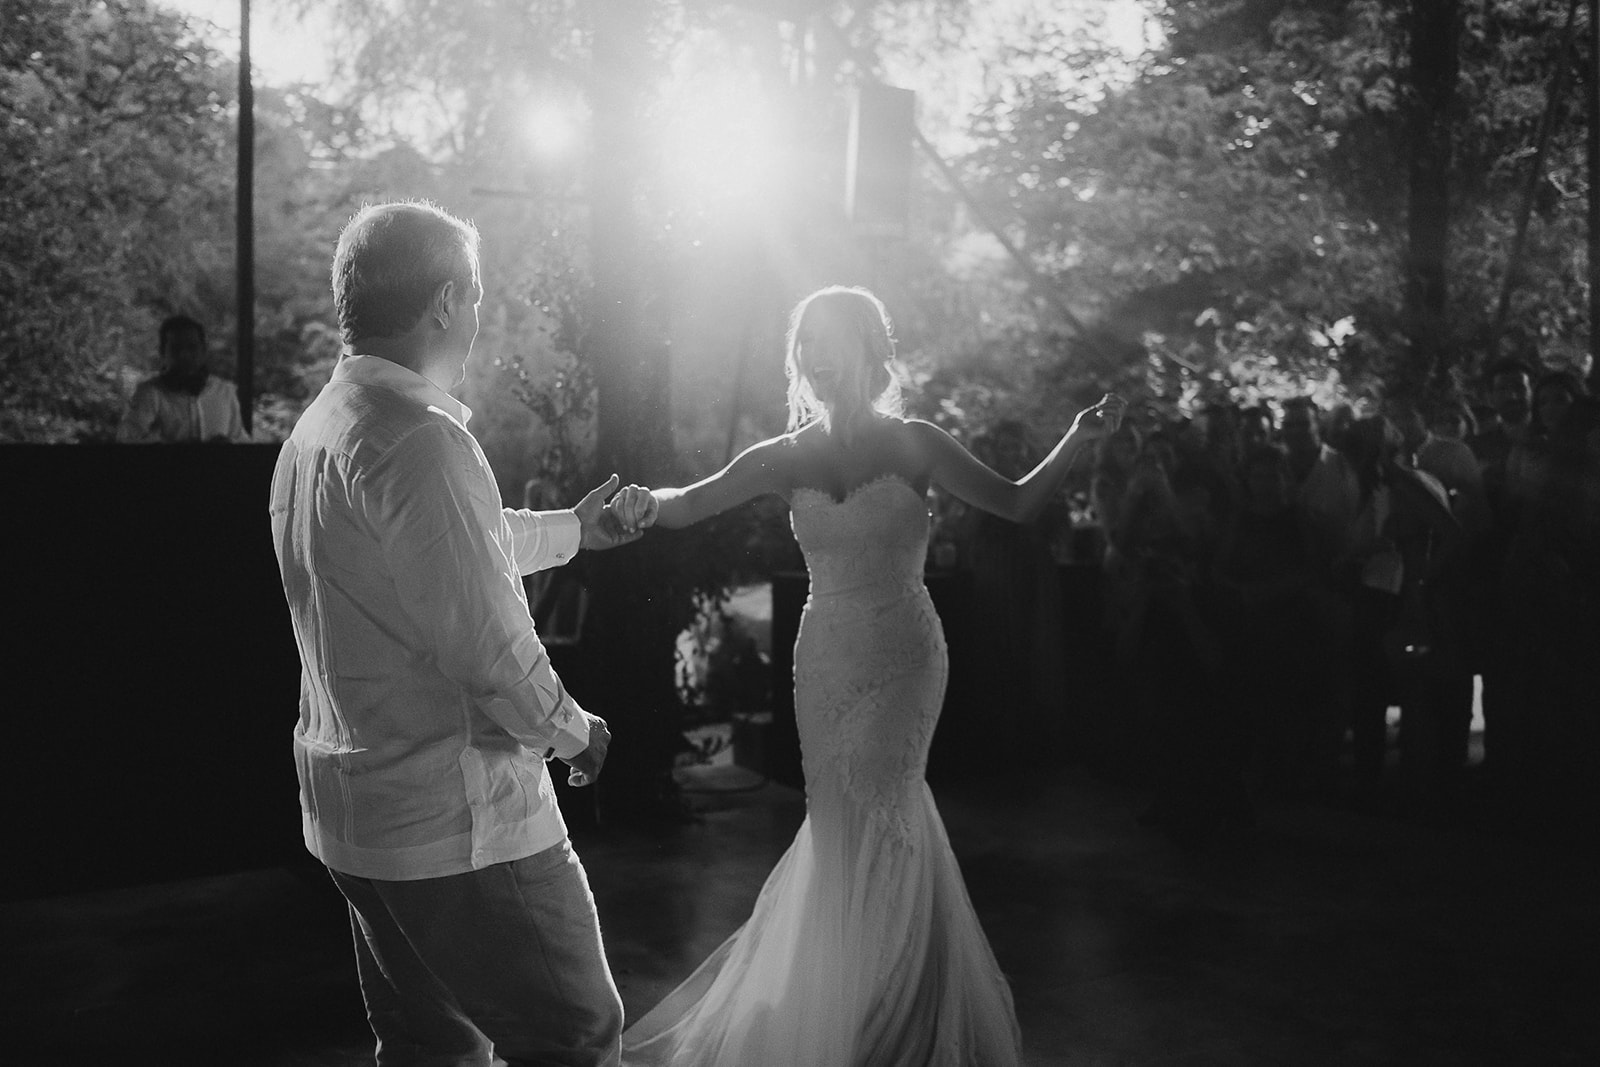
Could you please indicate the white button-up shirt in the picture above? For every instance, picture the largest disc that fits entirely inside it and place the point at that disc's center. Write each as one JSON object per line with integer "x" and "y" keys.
{"x": 157, "y": 414}
{"x": 427, "y": 703}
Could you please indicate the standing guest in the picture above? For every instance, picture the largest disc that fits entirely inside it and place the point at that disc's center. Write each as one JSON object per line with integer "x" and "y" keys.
{"x": 1115, "y": 457}
{"x": 1177, "y": 728}
{"x": 428, "y": 706}
{"x": 183, "y": 401}
{"x": 1265, "y": 577}
{"x": 1452, "y": 418}
{"x": 1016, "y": 609}
{"x": 1324, "y": 483}
{"x": 1448, "y": 459}
{"x": 1552, "y": 578}
{"x": 1256, "y": 427}
{"x": 1340, "y": 419}
{"x": 1224, "y": 440}
{"x": 1444, "y": 679}
{"x": 1400, "y": 533}
{"x": 1508, "y": 388}
{"x": 1509, "y": 385}
{"x": 1528, "y": 463}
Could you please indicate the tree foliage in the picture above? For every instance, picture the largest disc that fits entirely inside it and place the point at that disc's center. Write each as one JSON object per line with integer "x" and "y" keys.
{"x": 112, "y": 134}
{"x": 118, "y": 139}
{"x": 1238, "y": 208}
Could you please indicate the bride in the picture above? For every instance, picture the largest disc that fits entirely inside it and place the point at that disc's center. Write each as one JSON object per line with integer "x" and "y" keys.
{"x": 862, "y": 948}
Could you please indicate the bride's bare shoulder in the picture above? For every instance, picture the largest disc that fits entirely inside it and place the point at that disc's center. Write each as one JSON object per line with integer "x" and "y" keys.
{"x": 922, "y": 435}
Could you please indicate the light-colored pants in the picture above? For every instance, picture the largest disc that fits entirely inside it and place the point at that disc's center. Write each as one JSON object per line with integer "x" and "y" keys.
{"x": 507, "y": 957}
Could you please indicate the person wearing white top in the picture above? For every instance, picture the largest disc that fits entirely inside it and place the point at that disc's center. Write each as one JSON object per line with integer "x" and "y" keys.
{"x": 428, "y": 705}
{"x": 183, "y": 402}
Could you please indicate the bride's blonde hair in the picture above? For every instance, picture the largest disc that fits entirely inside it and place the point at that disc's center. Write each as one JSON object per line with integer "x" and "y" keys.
{"x": 877, "y": 390}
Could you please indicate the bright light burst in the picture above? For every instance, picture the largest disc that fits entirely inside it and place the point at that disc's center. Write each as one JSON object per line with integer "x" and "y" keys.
{"x": 551, "y": 130}
{"x": 720, "y": 142}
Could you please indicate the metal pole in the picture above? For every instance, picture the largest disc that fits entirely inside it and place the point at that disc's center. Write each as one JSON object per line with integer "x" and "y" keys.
{"x": 244, "y": 222}
{"x": 1593, "y": 100}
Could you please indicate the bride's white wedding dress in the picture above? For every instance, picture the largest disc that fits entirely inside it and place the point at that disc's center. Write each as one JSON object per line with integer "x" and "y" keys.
{"x": 863, "y": 948}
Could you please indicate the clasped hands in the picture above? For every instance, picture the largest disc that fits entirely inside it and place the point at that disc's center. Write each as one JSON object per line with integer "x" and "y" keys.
{"x": 608, "y": 517}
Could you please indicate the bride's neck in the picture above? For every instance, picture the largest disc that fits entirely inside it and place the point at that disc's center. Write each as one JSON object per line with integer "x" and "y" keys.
{"x": 845, "y": 428}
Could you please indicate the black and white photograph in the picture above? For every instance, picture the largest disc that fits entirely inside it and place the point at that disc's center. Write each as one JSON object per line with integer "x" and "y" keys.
{"x": 800, "y": 533}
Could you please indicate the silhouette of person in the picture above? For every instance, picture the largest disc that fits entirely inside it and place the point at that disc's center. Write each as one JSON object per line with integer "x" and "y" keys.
{"x": 183, "y": 401}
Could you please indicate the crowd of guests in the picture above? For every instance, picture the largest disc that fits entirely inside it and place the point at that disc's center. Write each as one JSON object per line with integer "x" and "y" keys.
{"x": 1279, "y": 576}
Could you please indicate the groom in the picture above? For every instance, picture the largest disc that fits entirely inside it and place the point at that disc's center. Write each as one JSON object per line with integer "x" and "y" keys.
{"x": 428, "y": 706}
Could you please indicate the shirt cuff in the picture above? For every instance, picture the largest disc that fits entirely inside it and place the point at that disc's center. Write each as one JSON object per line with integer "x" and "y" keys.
{"x": 572, "y": 736}
{"x": 565, "y": 532}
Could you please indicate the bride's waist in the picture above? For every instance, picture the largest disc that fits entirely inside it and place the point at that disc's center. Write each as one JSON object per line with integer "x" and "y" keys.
{"x": 874, "y": 591}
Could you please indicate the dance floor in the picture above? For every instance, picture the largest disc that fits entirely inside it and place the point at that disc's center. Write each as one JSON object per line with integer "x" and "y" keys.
{"x": 1323, "y": 935}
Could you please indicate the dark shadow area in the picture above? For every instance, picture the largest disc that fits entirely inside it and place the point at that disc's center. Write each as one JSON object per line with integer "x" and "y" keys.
{"x": 152, "y": 662}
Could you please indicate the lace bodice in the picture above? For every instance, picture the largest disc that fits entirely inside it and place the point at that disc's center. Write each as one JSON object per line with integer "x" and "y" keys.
{"x": 870, "y": 661}
{"x": 877, "y": 536}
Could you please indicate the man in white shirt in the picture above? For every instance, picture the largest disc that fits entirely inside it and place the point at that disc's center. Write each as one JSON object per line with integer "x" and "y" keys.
{"x": 428, "y": 705}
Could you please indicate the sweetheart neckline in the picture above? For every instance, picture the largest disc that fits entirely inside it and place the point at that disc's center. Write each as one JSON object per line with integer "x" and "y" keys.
{"x": 888, "y": 476}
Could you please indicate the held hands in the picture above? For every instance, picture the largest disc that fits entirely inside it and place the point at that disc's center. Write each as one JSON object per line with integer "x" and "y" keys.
{"x": 1101, "y": 420}
{"x": 635, "y": 509}
{"x": 584, "y": 768}
{"x": 598, "y": 524}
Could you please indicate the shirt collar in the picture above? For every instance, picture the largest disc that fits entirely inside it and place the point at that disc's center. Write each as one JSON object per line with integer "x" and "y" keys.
{"x": 385, "y": 374}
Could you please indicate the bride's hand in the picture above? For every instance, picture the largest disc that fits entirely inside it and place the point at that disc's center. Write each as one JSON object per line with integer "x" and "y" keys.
{"x": 635, "y": 508}
{"x": 1102, "y": 419}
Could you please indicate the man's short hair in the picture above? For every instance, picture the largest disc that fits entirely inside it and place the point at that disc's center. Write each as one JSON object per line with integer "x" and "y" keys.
{"x": 173, "y": 325}
{"x": 390, "y": 261}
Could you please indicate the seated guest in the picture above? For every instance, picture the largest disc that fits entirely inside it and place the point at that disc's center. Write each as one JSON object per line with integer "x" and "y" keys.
{"x": 183, "y": 401}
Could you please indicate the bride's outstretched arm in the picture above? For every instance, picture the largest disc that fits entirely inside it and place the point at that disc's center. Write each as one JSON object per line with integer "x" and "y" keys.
{"x": 960, "y": 473}
{"x": 758, "y": 470}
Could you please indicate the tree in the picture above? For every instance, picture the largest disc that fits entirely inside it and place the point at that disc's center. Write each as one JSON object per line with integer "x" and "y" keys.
{"x": 116, "y": 209}
{"x": 1233, "y": 208}
{"x": 1433, "y": 37}
{"x": 112, "y": 125}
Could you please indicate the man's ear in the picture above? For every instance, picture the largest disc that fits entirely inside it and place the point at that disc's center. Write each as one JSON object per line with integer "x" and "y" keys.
{"x": 439, "y": 308}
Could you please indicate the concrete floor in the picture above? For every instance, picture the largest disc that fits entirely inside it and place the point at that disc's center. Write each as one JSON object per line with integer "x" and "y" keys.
{"x": 1321, "y": 936}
